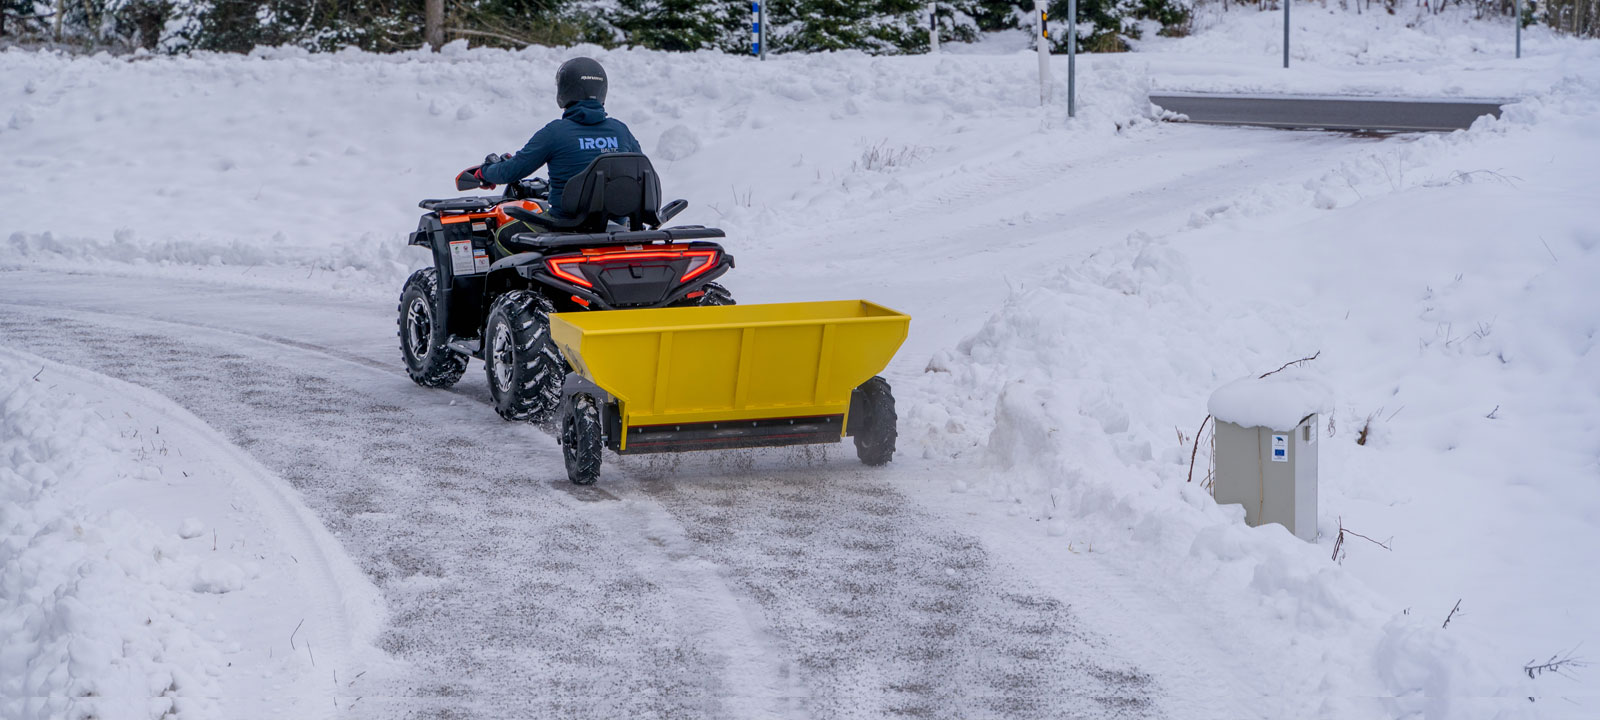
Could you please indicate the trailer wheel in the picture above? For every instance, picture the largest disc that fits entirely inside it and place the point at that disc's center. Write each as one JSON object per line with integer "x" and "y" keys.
{"x": 875, "y": 441}
{"x": 429, "y": 362}
{"x": 581, "y": 441}
{"x": 524, "y": 368}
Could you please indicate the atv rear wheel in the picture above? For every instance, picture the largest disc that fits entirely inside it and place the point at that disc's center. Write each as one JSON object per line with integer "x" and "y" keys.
{"x": 581, "y": 440}
{"x": 524, "y": 368}
{"x": 429, "y": 362}
{"x": 875, "y": 440}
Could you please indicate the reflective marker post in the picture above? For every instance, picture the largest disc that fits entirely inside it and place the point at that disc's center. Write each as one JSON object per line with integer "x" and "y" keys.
{"x": 1044, "y": 52}
{"x": 933, "y": 28}
{"x": 756, "y": 30}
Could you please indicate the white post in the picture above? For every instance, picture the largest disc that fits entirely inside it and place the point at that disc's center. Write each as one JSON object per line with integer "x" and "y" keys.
{"x": 933, "y": 28}
{"x": 1041, "y": 14}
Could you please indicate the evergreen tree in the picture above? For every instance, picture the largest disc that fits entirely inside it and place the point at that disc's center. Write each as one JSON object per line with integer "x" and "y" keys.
{"x": 683, "y": 25}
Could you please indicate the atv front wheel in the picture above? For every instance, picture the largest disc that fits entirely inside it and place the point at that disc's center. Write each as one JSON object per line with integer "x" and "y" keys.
{"x": 429, "y": 362}
{"x": 524, "y": 368}
{"x": 581, "y": 440}
{"x": 875, "y": 440}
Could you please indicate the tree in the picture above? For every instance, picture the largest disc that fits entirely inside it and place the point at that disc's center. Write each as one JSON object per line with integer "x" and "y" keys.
{"x": 682, "y": 25}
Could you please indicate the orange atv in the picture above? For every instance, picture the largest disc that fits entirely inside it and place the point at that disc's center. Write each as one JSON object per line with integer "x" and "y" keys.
{"x": 492, "y": 288}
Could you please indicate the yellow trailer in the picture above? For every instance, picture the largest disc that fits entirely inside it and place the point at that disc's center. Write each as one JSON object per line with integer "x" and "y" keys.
{"x": 704, "y": 378}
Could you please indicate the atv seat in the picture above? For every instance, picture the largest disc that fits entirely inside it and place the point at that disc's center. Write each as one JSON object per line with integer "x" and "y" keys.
{"x": 613, "y": 186}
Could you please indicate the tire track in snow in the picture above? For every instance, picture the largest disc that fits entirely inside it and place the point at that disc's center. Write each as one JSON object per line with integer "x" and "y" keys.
{"x": 833, "y": 567}
{"x": 507, "y": 598}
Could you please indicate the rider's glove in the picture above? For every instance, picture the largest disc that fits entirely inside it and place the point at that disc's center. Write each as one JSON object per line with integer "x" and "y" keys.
{"x": 482, "y": 183}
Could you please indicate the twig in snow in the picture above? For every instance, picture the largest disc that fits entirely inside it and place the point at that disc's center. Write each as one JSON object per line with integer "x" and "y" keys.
{"x": 37, "y": 374}
{"x": 1452, "y": 614}
{"x": 312, "y": 654}
{"x": 1492, "y": 413}
{"x": 213, "y": 539}
{"x": 1286, "y": 365}
{"x": 1196, "y": 449}
{"x": 1556, "y": 664}
{"x": 296, "y": 630}
{"x": 1548, "y": 250}
{"x": 1391, "y": 415}
{"x": 1338, "y": 542}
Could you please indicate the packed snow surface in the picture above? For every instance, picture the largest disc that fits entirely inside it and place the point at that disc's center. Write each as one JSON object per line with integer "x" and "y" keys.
{"x": 1083, "y": 292}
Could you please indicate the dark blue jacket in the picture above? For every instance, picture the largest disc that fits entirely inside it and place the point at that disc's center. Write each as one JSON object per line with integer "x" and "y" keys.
{"x": 567, "y": 145}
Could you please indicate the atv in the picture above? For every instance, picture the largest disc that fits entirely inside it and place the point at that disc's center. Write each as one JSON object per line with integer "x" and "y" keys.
{"x": 489, "y": 296}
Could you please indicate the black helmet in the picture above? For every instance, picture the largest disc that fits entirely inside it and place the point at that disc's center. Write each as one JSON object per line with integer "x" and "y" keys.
{"x": 580, "y": 78}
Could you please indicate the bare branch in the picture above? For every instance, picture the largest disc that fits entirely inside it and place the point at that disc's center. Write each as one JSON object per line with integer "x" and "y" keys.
{"x": 1452, "y": 614}
{"x": 1560, "y": 664}
{"x": 1196, "y": 449}
{"x": 1286, "y": 365}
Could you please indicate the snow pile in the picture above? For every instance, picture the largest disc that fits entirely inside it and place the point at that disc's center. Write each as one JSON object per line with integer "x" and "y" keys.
{"x": 1279, "y": 400}
{"x": 1454, "y": 308}
{"x": 118, "y": 601}
{"x": 249, "y": 170}
{"x": 93, "y": 619}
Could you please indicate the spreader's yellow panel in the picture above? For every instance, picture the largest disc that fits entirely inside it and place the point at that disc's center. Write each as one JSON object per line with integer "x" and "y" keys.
{"x": 737, "y": 362}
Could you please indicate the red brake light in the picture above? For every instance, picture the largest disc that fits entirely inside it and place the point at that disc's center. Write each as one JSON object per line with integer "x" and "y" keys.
{"x": 700, "y": 263}
{"x": 558, "y": 268}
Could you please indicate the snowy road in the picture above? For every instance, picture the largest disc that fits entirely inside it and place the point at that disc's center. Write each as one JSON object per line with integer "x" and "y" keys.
{"x": 774, "y": 584}
{"x": 749, "y": 586}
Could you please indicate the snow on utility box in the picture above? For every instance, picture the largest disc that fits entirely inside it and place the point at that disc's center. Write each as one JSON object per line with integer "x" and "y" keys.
{"x": 1265, "y": 446}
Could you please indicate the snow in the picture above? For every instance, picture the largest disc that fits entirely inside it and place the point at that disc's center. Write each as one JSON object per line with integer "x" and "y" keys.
{"x": 1084, "y": 293}
{"x": 102, "y": 611}
{"x": 1278, "y": 401}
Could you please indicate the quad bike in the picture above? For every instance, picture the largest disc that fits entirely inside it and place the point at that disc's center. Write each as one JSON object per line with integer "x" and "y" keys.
{"x": 611, "y": 324}
{"x": 492, "y": 299}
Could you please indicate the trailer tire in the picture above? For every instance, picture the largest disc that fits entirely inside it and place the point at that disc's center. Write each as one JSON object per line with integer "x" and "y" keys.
{"x": 524, "y": 368}
{"x": 876, "y": 439}
{"x": 429, "y": 361}
{"x": 581, "y": 440}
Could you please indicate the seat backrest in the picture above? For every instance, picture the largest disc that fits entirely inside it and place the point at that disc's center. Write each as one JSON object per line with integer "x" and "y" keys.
{"x": 614, "y": 185}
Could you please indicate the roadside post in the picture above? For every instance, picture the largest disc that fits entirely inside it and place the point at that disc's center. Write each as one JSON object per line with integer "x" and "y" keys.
{"x": 1041, "y": 15}
{"x": 757, "y": 30}
{"x": 933, "y": 28}
{"x": 1286, "y": 4}
{"x": 1518, "y": 21}
{"x": 1072, "y": 58}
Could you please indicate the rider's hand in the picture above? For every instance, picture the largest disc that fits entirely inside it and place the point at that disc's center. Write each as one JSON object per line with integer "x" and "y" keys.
{"x": 482, "y": 183}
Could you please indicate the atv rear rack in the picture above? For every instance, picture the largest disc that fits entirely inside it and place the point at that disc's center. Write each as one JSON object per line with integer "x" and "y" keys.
{"x": 635, "y": 237}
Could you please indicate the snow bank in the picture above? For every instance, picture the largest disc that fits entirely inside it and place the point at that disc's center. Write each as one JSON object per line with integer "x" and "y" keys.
{"x": 1278, "y": 401}
{"x": 91, "y": 622}
{"x": 111, "y": 606}
{"x": 284, "y": 169}
{"x": 1464, "y": 352}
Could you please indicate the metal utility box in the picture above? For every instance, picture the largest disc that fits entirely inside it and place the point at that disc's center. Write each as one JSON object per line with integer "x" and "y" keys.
{"x": 1271, "y": 472}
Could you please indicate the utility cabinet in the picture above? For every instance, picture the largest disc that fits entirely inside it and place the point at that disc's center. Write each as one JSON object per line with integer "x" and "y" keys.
{"x": 1271, "y": 471}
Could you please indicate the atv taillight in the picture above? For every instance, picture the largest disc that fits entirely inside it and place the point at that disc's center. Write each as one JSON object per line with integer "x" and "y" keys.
{"x": 700, "y": 262}
{"x": 558, "y": 268}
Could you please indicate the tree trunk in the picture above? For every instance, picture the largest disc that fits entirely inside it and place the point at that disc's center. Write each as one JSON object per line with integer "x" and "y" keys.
{"x": 434, "y": 28}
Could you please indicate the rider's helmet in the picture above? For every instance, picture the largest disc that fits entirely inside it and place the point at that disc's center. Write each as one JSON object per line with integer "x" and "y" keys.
{"x": 580, "y": 78}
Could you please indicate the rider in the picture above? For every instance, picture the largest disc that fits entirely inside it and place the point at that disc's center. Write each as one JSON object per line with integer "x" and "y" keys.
{"x": 568, "y": 145}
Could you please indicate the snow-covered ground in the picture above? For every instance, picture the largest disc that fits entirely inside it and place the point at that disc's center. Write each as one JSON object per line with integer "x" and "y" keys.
{"x": 1079, "y": 289}
{"x": 150, "y": 567}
